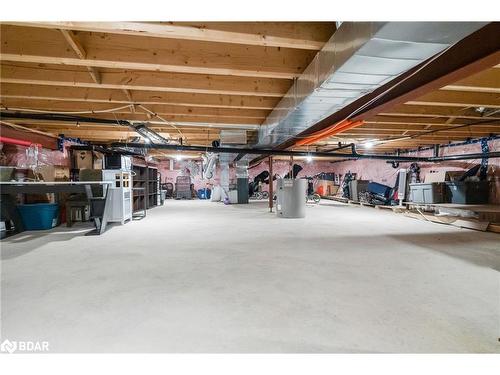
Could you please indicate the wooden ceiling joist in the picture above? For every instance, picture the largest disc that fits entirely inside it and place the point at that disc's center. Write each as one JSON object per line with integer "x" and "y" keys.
{"x": 151, "y": 54}
{"x": 186, "y": 118}
{"x": 495, "y": 90}
{"x": 219, "y": 75}
{"x": 131, "y": 65}
{"x": 57, "y": 106}
{"x": 487, "y": 81}
{"x": 156, "y": 101}
{"x": 170, "y": 31}
{"x": 458, "y": 99}
{"x": 434, "y": 112}
{"x": 145, "y": 81}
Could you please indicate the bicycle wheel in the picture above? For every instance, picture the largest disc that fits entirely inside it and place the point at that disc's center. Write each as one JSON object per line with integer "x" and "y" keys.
{"x": 265, "y": 195}
{"x": 316, "y": 198}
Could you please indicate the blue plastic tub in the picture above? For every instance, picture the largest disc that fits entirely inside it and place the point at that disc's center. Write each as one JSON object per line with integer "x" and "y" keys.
{"x": 39, "y": 216}
{"x": 204, "y": 193}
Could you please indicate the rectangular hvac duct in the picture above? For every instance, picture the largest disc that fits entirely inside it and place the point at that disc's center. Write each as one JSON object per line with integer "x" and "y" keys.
{"x": 359, "y": 58}
{"x": 233, "y": 137}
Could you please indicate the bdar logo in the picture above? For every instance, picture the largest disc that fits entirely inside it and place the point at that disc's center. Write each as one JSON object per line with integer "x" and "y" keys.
{"x": 8, "y": 346}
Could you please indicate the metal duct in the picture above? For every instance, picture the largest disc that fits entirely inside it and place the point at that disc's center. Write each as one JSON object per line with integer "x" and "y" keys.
{"x": 224, "y": 151}
{"x": 209, "y": 164}
{"x": 359, "y": 58}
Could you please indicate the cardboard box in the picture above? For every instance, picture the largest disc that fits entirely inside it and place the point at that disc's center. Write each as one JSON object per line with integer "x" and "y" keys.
{"x": 326, "y": 187}
{"x": 436, "y": 176}
{"x": 54, "y": 173}
{"x": 83, "y": 159}
{"x": 98, "y": 160}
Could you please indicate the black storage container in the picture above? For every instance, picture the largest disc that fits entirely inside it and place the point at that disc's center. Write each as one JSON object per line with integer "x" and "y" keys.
{"x": 468, "y": 192}
{"x": 113, "y": 161}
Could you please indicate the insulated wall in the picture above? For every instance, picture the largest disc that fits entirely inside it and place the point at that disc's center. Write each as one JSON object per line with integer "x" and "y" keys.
{"x": 382, "y": 172}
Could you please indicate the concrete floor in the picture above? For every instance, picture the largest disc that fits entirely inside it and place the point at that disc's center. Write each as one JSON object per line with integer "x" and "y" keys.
{"x": 197, "y": 276}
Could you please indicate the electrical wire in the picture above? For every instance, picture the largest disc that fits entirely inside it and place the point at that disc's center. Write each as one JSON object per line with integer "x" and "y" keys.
{"x": 23, "y": 128}
{"x": 161, "y": 118}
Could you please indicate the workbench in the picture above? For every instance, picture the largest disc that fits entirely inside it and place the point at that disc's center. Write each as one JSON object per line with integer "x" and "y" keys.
{"x": 9, "y": 190}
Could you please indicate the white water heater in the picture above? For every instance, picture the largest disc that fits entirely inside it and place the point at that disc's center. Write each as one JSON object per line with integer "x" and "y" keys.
{"x": 291, "y": 197}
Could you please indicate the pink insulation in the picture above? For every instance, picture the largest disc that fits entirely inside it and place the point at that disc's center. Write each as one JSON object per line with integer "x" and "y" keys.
{"x": 382, "y": 172}
{"x": 366, "y": 169}
{"x": 168, "y": 175}
{"x": 16, "y": 156}
{"x": 280, "y": 167}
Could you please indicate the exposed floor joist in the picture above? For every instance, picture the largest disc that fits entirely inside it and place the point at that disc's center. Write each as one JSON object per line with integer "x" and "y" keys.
{"x": 38, "y": 77}
{"x": 171, "y": 31}
{"x": 132, "y": 65}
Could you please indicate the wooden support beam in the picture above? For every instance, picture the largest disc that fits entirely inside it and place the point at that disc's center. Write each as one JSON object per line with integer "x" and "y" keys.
{"x": 170, "y": 31}
{"x": 495, "y": 90}
{"x": 135, "y": 87}
{"x": 132, "y": 65}
{"x": 28, "y": 98}
{"x": 128, "y": 94}
{"x": 434, "y": 112}
{"x": 74, "y": 43}
{"x": 213, "y": 127}
{"x": 144, "y": 81}
{"x": 458, "y": 99}
{"x": 206, "y": 121}
{"x": 159, "y": 109}
{"x": 271, "y": 193}
{"x": 483, "y": 82}
{"x": 80, "y": 52}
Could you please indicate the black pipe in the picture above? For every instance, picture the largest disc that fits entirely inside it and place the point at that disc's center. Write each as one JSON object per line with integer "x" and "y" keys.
{"x": 257, "y": 151}
{"x": 231, "y": 150}
{"x": 489, "y": 155}
{"x": 340, "y": 147}
{"x": 61, "y": 117}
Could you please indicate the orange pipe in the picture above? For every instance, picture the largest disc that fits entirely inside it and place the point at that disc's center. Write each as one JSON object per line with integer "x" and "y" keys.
{"x": 328, "y": 132}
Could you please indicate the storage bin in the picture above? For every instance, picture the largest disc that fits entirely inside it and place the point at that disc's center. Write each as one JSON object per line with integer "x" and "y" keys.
{"x": 356, "y": 187}
{"x": 204, "y": 193}
{"x": 428, "y": 193}
{"x": 467, "y": 192}
{"x": 39, "y": 216}
{"x": 376, "y": 188}
{"x": 6, "y": 173}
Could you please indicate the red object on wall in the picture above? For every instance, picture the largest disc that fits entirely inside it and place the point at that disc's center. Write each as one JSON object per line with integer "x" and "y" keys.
{"x": 328, "y": 132}
{"x": 18, "y": 142}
